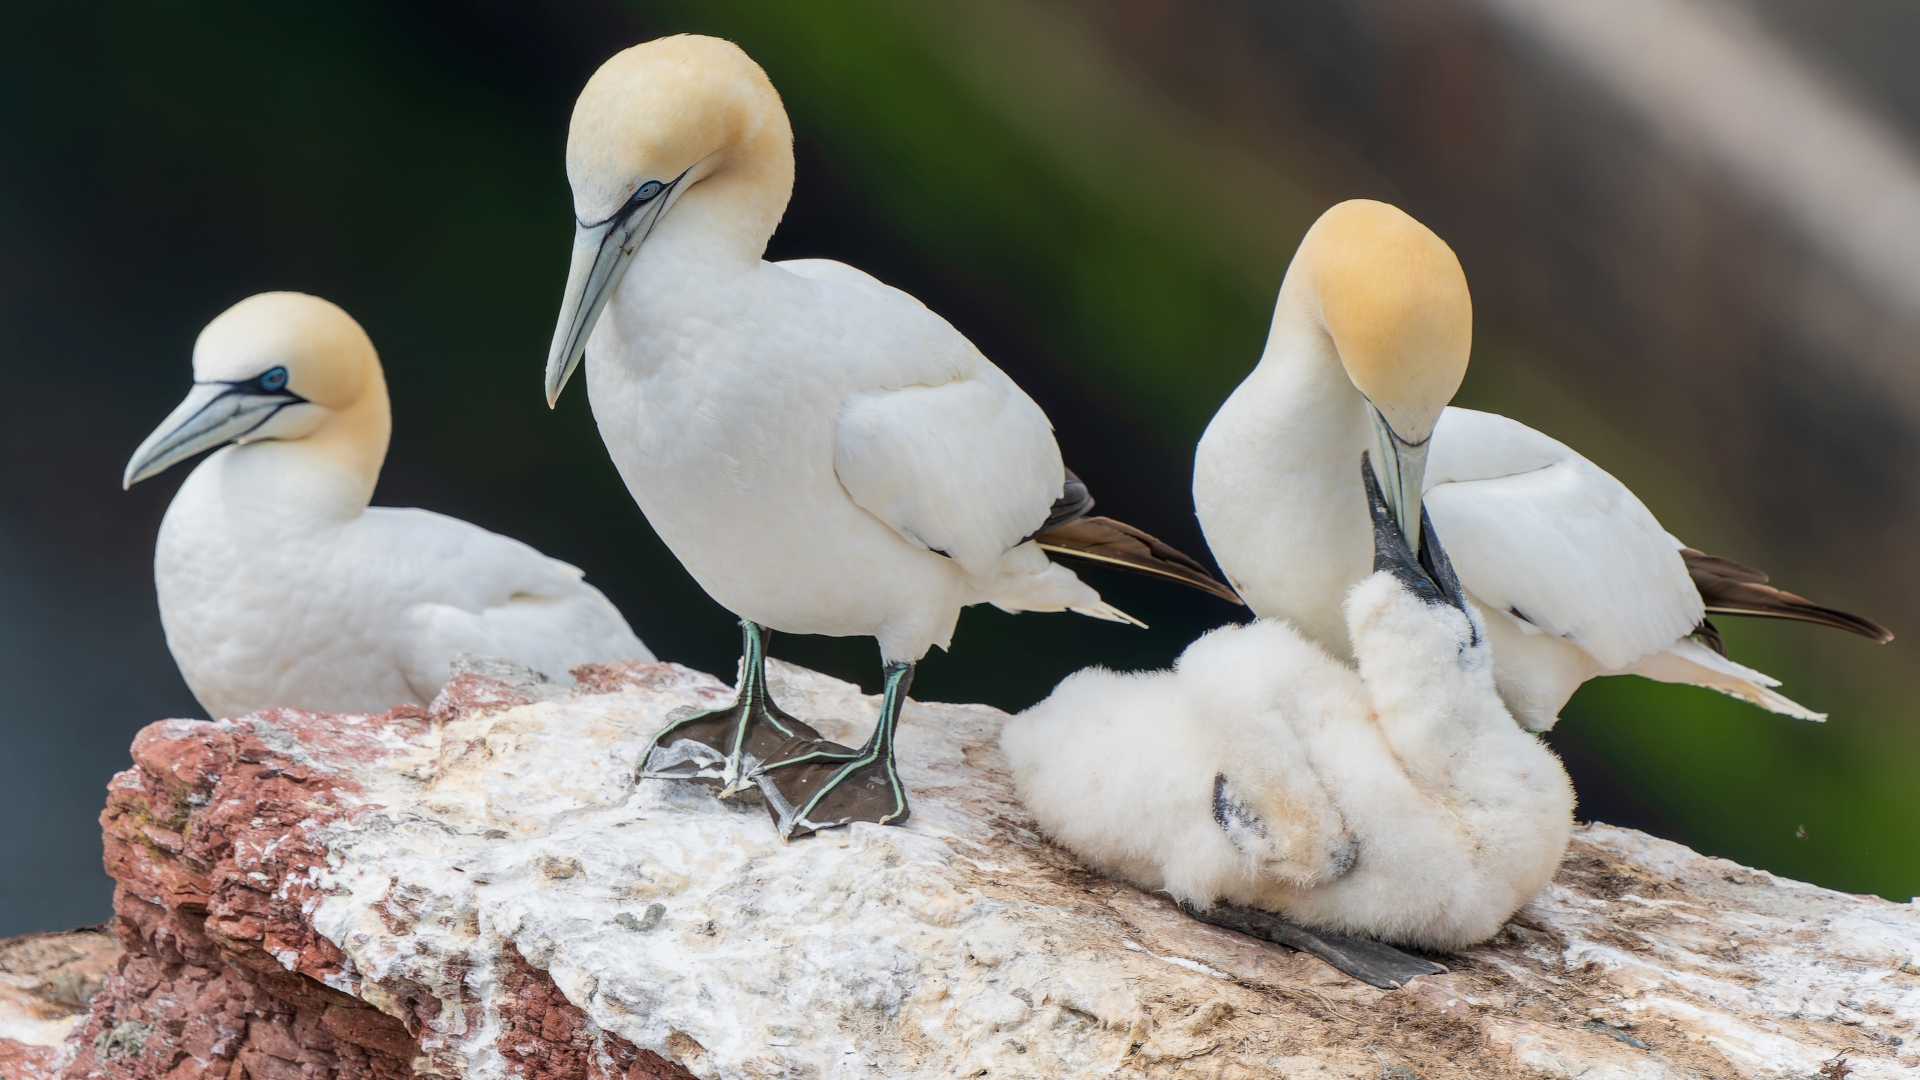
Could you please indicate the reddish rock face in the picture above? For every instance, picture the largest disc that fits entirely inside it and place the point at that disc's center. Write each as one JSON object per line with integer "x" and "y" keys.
{"x": 210, "y": 838}
{"x": 548, "y": 1038}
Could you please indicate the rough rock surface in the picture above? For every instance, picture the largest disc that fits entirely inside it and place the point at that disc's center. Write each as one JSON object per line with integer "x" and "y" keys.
{"x": 483, "y": 890}
{"x": 46, "y": 981}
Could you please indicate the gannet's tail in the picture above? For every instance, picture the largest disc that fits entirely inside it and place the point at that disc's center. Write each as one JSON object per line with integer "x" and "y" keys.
{"x": 1104, "y": 610}
{"x": 1028, "y": 581}
{"x": 1117, "y": 544}
{"x": 1688, "y": 661}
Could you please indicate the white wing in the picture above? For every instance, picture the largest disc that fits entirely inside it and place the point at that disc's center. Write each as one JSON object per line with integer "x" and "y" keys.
{"x": 1546, "y": 536}
{"x": 474, "y": 591}
{"x": 968, "y": 468}
{"x": 829, "y": 270}
{"x": 965, "y": 465}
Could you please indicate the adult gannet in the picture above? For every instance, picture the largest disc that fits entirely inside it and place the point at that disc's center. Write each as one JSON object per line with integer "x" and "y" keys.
{"x": 1397, "y": 801}
{"x": 1573, "y": 574}
{"x": 280, "y": 586}
{"x": 823, "y": 453}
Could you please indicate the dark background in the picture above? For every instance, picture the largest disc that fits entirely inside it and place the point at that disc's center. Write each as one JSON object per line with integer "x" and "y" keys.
{"x": 1103, "y": 196}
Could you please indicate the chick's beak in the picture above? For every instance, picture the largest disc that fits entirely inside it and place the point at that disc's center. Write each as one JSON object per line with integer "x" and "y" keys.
{"x": 1402, "y": 469}
{"x": 601, "y": 252}
{"x": 213, "y": 414}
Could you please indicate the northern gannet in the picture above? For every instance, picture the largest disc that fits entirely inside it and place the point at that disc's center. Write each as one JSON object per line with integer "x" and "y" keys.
{"x": 1574, "y": 576}
{"x": 1398, "y": 801}
{"x": 280, "y": 586}
{"x": 823, "y": 453}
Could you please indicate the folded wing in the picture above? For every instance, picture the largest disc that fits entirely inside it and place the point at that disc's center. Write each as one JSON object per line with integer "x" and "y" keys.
{"x": 967, "y": 468}
{"x": 1549, "y": 538}
{"x": 461, "y": 589}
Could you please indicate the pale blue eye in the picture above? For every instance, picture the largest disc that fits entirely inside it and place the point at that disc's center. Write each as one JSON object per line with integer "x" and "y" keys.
{"x": 647, "y": 191}
{"x": 275, "y": 379}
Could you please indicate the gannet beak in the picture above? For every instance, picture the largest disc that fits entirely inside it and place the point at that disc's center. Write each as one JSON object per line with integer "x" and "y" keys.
{"x": 1403, "y": 468}
{"x": 214, "y": 413}
{"x": 1428, "y": 575}
{"x": 601, "y": 252}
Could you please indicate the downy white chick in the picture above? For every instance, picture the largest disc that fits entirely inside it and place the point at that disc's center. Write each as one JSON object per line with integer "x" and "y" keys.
{"x": 1398, "y": 801}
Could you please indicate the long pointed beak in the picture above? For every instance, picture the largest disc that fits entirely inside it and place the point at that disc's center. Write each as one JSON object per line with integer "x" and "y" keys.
{"x": 213, "y": 414}
{"x": 1402, "y": 468}
{"x": 601, "y": 254}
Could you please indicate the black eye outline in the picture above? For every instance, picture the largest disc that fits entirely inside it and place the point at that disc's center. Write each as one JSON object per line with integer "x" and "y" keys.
{"x": 273, "y": 380}
{"x": 644, "y": 194}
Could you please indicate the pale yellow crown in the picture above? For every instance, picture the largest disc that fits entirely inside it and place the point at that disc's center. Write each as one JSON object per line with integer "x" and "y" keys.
{"x": 1395, "y": 302}
{"x": 328, "y": 357}
{"x": 655, "y": 110}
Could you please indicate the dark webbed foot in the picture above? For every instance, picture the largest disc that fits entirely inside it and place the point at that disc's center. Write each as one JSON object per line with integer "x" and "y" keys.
{"x": 1372, "y": 962}
{"x": 825, "y": 784}
{"x": 727, "y": 748}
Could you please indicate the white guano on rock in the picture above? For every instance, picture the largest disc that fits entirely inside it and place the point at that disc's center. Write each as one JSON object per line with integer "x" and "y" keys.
{"x": 962, "y": 944}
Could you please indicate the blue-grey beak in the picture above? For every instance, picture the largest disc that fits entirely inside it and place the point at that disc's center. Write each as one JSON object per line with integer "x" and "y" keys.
{"x": 601, "y": 252}
{"x": 214, "y": 414}
{"x": 1402, "y": 468}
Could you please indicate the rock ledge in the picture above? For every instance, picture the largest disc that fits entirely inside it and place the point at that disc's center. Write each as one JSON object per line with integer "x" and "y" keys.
{"x": 481, "y": 890}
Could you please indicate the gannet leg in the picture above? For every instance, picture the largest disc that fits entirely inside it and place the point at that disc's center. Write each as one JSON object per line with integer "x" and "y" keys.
{"x": 727, "y": 748}
{"x": 828, "y": 784}
{"x": 1372, "y": 962}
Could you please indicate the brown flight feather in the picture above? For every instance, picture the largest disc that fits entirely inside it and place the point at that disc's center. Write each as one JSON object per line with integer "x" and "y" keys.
{"x": 1119, "y": 545}
{"x": 1731, "y": 588}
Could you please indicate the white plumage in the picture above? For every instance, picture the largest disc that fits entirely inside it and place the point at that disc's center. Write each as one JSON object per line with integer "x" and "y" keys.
{"x": 1398, "y": 801}
{"x": 1574, "y": 576}
{"x": 823, "y": 453}
{"x": 280, "y": 586}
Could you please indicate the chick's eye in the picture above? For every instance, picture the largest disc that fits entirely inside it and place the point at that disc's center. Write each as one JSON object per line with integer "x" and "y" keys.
{"x": 276, "y": 379}
{"x": 647, "y": 191}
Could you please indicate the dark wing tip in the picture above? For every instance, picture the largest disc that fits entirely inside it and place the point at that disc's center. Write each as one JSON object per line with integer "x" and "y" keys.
{"x": 1120, "y": 545}
{"x": 1731, "y": 588}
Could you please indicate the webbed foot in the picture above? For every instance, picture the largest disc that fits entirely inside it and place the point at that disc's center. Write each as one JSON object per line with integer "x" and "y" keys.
{"x": 826, "y": 784}
{"x": 727, "y": 748}
{"x": 1372, "y": 962}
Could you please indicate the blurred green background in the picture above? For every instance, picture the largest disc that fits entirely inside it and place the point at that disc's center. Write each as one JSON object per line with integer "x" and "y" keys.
{"x": 1102, "y": 195}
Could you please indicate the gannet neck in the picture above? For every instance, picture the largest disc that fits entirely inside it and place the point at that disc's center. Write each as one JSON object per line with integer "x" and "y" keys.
{"x": 1302, "y": 354}
{"x": 1289, "y": 436}
{"x": 351, "y": 441}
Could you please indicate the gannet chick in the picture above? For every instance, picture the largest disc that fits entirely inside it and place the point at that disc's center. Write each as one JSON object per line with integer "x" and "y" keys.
{"x": 823, "y": 453}
{"x": 280, "y": 586}
{"x": 1398, "y": 801}
{"x": 1573, "y": 575}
